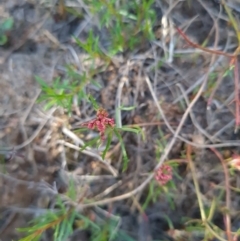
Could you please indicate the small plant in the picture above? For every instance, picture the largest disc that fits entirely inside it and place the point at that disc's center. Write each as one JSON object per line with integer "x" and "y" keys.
{"x": 91, "y": 46}
{"x": 62, "y": 92}
{"x": 61, "y": 221}
{"x": 106, "y": 127}
{"x": 123, "y": 25}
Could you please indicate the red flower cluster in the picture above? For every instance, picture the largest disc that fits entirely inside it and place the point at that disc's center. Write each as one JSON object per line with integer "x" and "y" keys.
{"x": 164, "y": 174}
{"x": 101, "y": 122}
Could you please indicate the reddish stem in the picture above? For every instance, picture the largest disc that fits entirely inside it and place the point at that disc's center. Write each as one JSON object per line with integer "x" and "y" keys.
{"x": 218, "y": 52}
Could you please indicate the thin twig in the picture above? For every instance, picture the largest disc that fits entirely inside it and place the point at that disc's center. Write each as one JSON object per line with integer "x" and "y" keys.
{"x": 215, "y": 51}
{"x": 90, "y": 153}
{"x": 228, "y": 194}
{"x": 124, "y": 80}
{"x": 35, "y": 134}
{"x": 196, "y": 184}
{"x": 194, "y": 120}
{"x": 212, "y": 68}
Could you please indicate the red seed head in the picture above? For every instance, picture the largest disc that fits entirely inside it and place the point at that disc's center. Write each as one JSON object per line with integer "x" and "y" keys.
{"x": 164, "y": 174}
{"x": 101, "y": 122}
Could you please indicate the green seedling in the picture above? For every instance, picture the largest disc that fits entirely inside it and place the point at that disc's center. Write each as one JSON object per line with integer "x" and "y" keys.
{"x": 61, "y": 221}
{"x": 62, "y": 92}
{"x": 91, "y": 45}
{"x": 124, "y": 21}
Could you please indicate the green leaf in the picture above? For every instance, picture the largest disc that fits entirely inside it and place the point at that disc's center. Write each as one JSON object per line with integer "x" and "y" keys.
{"x": 81, "y": 129}
{"x": 93, "y": 102}
{"x": 169, "y": 221}
{"x": 127, "y": 108}
{"x": 127, "y": 14}
{"x": 56, "y": 232}
{"x": 41, "y": 82}
{"x": 109, "y": 139}
{"x": 31, "y": 238}
{"x": 88, "y": 222}
{"x": 90, "y": 143}
{"x": 134, "y": 129}
{"x": 61, "y": 204}
{"x": 124, "y": 153}
{"x": 130, "y": 129}
{"x": 95, "y": 83}
{"x": 50, "y": 104}
{"x": 7, "y": 24}
{"x": 62, "y": 230}
{"x": 3, "y": 39}
{"x": 71, "y": 192}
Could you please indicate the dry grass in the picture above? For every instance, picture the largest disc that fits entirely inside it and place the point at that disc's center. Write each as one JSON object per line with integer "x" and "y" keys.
{"x": 168, "y": 69}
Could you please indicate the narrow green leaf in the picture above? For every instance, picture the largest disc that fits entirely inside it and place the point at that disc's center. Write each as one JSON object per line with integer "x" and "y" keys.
{"x": 124, "y": 153}
{"x": 7, "y": 24}
{"x": 31, "y": 237}
{"x": 79, "y": 43}
{"x": 130, "y": 129}
{"x": 56, "y": 232}
{"x": 50, "y": 104}
{"x": 95, "y": 83}
{"x": 81, "y": 129}
{"x": 127, "y": 108}
{"x": 88, "y": 222}
{"x": 93, "y": 102}
{"x": 90, "y": 143}
{"x": 3, "y": 39}
{"x": 71, "y": 192}
{"x": 109, "y": 139}
{"x": 62, "y": 230}
{"x": 41, "y": 82}
{"x": 127, "y": 14}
